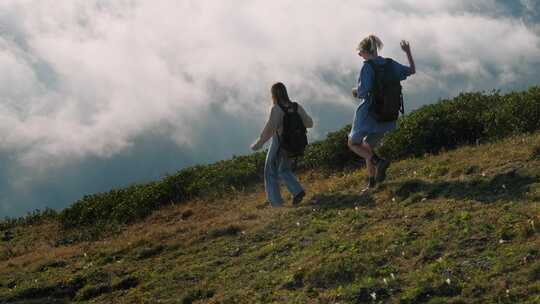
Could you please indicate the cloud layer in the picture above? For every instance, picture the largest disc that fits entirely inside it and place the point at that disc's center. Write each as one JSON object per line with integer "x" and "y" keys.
{"x": 88, "y": 80}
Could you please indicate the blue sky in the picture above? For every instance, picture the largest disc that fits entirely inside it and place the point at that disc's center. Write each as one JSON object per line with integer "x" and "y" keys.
{"x": 97, "y": 94}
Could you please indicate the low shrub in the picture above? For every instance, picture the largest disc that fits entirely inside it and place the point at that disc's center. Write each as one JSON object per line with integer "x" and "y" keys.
{"x": 135, "y": 202}
{"x": 31, "y": 218}
{"x": 468, "y": 118}
{"x": 330, "y": 153}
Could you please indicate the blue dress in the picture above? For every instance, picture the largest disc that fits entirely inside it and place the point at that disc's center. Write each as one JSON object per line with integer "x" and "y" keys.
{"x": 364, "y": 123}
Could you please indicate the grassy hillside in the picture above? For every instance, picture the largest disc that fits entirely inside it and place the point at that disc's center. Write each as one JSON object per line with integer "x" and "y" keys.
{"x": 459, "y": 227}
{"x": 465, "y": 119}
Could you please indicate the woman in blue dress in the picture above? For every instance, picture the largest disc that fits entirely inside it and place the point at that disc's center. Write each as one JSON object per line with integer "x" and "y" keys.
{"x": 367, "y": 133}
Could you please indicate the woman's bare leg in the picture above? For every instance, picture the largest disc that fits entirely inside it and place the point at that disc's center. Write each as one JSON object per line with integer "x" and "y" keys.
{"x": 370, "y": 166}
{"x": 364, "y": 150}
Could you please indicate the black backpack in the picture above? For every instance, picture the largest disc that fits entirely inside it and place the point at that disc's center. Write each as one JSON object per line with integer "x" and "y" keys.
{"x": 386, "y": 92}
{"x": 293, "y": 140}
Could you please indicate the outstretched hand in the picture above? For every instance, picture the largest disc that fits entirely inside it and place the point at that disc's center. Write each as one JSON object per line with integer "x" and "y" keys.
{"x": 256, "y": 146}
{"x": 405, "y": 46}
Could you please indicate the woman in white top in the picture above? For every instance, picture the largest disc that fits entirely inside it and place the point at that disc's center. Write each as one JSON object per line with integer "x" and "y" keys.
{"x": 277, "y": 163}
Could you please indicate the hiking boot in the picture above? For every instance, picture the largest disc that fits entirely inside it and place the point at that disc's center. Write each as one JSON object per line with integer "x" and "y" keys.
{"x": 372, "y": 183}
{"x": 382, "y": 166}
{"x": 298, "y": 198}
{"x": 263, "y": 205}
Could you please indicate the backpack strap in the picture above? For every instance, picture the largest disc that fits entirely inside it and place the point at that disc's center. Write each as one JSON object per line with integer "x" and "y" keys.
{"x": 283, "y": 108}
{"x": 375, "y": 67}
{"x": 285, "y": 111}
{"x": 294, "y": 107}
{"x": 372, "y": 65}
{"x": 388, "y": 63}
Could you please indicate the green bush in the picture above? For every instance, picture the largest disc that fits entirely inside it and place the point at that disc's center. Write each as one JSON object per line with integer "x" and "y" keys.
{"x": 31, "y": 218}
{"x": 465, "y": 119}
{"x": 138, "y": 201}
{"x": 516, "y": 112}
{"x": 331, "y": 153}
{"x": 445, "y": 124}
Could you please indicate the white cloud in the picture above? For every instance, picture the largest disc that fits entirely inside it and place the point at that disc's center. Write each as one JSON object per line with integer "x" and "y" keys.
{"x": 84, "y": 78}
{"x": 529, "y": 5}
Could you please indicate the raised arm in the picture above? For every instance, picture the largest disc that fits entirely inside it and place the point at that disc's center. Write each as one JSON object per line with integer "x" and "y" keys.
{"x": 405, "y": 46}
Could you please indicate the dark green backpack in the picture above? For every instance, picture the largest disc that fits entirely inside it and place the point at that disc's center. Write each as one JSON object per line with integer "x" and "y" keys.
{"x": 386, "y": 92}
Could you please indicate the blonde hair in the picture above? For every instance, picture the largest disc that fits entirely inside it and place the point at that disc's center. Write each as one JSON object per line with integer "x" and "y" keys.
{"x": 370, "y": 45}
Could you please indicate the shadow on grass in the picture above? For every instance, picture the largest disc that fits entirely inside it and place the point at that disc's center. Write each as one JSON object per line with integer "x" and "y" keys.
{"x": 342, "y": 200}
{"x": 505, "y": 186}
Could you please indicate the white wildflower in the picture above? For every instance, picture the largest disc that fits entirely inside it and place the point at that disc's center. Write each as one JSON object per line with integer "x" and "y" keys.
{"x": 373, "y": 296}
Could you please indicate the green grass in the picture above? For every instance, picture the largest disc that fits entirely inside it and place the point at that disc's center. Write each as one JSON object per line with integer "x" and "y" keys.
{"x": 459, "y": 227}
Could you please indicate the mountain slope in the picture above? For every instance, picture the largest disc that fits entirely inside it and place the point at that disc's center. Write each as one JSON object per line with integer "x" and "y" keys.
{"x": 459, "y": 227}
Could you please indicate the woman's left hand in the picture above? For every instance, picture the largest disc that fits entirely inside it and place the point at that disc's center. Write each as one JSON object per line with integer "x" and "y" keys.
{"x": 256, "y": 146}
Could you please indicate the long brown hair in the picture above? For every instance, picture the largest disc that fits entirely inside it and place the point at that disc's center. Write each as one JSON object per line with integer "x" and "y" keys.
{"x": 279, "y": 91}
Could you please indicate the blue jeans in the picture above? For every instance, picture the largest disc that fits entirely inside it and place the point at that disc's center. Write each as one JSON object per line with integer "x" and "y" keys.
{"x": 278, "y": 165}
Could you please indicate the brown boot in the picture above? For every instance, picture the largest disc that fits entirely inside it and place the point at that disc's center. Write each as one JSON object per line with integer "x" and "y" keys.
{"x": 298, "y": 198}
{"x": 382, "y": 165}
{"x": 372, "y": 183}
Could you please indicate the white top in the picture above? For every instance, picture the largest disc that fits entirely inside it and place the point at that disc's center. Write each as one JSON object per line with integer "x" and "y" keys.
{"x": 275, "y": 124}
